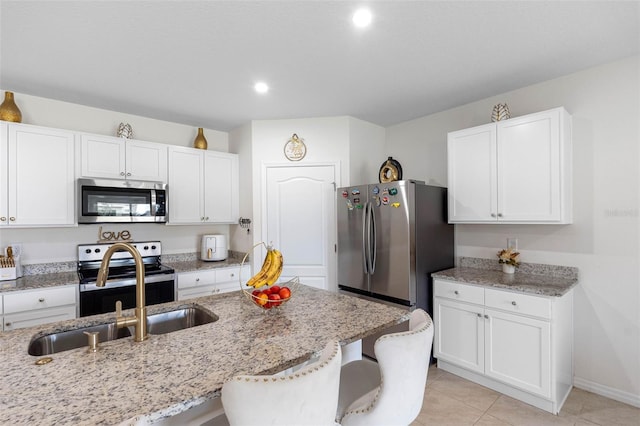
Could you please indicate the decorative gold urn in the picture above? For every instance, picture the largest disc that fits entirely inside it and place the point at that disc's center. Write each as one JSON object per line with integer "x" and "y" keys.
{"x": 200, "y": 141}
{"x": 9, "y": 111}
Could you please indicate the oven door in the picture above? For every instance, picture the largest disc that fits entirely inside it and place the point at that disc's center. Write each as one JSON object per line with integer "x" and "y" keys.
{"x": 102, "y": 300}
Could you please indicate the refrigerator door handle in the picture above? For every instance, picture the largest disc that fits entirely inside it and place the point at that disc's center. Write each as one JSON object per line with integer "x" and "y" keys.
{"x": 373, "y": 249}
{"x": 365, "y": 221}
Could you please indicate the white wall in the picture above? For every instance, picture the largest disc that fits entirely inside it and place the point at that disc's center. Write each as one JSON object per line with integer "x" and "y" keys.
{"x": 43, "y": 245}
{"x": 366, "y": 152}
{"x": 604, "y": 239}
{"x": 240, "y": 142}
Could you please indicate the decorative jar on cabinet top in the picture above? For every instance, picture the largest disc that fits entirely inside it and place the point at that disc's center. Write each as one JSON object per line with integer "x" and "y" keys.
{"x": 9, "y": 111}
{"x": 200, "y": 141}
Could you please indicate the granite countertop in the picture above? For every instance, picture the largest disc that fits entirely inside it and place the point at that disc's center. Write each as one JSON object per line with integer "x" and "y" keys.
{"x": 50, "y": 275}
{"x": 168, "y": 374}
{"x": 543, "y": 280}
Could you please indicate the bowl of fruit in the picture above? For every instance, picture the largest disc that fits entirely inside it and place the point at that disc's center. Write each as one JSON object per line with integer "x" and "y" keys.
{"x": 263, "y": 289}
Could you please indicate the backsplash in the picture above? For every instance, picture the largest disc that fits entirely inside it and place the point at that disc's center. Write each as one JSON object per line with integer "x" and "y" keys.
{"x": 526, "y": 268}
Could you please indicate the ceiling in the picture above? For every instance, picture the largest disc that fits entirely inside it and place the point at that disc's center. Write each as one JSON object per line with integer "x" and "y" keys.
{"x": 195, "y": 62}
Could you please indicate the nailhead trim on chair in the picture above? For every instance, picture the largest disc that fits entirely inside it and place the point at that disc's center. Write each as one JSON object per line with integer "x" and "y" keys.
{"x": 388, "y": 336}
{"x": 290, "y": 376}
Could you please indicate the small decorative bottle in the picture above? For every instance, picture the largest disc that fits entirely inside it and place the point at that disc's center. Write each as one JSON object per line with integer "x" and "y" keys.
{"x": 9, "y": 111}
{"x": 200, "y": 141}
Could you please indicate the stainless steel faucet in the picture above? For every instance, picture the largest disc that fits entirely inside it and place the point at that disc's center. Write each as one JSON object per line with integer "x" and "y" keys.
{"x": 139, "y": 320}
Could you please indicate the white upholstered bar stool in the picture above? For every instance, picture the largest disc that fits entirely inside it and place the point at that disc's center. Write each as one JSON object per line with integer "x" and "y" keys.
{"x": 389, "y": 392}
{"x": 307, "y": 397}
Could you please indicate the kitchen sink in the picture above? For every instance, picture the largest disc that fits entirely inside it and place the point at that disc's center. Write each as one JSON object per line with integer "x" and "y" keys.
{"x": 71, "y": 339}
{"x": 185, "y": 317}
{"x": 161, "y": 323}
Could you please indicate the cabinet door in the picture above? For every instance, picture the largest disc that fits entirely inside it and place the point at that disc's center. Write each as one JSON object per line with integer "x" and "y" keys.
{"x": 38, "y": 317}
{"x": 517, "y": 351}
{"x": 201, "y": 291}
{"x": 529, "y": 168}
{"x": 103, "y": 157}
{"x": 221, "y": 187}
{"x": 472, "y": 174}
{"x": 40, "y": 177}
{"x": 459, "y": 334}
{"x": 146, "y": 161}
{"x": 186, "y": 187}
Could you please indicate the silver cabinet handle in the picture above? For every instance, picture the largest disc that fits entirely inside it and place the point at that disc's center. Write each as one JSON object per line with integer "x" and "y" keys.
{"x": 455, "y": 292}
{"x": 479, "y": 315}
{"x": 128, "y": 174}
{"x": 197, "y": 279}
{"x": 41, "y": 300}
{"x": 206, "y": 218}
{"x": 7, "y": 324}
{"x": 514, "y": 303}
{"x": 493, "y": 215}
{"x": 499, "y": 214}
{"x": 486, "y": 316}
{"x": 3, "y": 219}
{"x": 233, "y": 275}
{"x": 121, "y": 173}
{"x": 12, "y": 219}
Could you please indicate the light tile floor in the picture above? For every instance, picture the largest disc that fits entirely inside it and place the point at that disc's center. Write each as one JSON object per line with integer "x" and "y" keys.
{"x": 452, "y": 401}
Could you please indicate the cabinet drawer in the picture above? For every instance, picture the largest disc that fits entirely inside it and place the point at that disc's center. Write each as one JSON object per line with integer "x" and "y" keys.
{"x": 228, "y": 274}
{"x": 39, "y": 299}
{"x": 456, "y": 291}
{"x": 197, "y": 278}
{"x": 200, "y": 291}
{"x": 524, "y": 304}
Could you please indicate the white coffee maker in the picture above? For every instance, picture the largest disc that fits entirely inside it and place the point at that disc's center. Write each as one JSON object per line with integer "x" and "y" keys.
{"x": 213, "y": 247}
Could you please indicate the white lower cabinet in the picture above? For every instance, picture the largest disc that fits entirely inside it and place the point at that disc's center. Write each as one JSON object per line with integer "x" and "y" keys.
{"x": 206, "y": 282}
{"x": 39, "y": 306}
{"x": 515, "y": 343}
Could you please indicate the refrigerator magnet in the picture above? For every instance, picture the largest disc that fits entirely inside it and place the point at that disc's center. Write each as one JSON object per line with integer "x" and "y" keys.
{"x": 396, "y": 205}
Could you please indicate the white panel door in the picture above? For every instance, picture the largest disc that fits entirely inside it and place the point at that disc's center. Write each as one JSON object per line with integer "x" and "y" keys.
{"x": 459, "y": 336}
{"x": 472, "y": 174}
{"x": 186, "y": 186}
{"x": 299, "y": 211}
{"x": 146, "y": 161}
{"x": 529, "y": 168}
{"x": 103, "y": 157}
{"x": 41, "y": 171}
{"x": 518, "y": 351}
{"x": 221, "y": 187}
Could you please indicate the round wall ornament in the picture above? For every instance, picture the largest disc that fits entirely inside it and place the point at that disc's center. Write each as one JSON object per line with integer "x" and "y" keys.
{"x": 295, "y": 149}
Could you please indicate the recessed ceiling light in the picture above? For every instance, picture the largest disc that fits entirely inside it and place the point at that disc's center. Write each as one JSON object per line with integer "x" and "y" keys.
{"x": 362, "y": 18}
{"x": 261, "y": 87}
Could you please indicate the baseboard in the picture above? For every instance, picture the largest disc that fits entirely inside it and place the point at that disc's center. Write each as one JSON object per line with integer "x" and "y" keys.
{"x": 606, "y": 391}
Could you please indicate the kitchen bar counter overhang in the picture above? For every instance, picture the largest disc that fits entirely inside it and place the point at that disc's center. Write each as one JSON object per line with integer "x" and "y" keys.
{"x": 171, "y": 373}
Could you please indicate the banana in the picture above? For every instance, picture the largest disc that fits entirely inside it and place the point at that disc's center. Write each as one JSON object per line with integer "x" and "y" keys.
{"x": 276, "y": 267}
{"x": 258, "y": 280}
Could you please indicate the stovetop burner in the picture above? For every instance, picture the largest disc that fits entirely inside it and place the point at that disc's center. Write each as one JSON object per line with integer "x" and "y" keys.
{"x": 122, "y": 265}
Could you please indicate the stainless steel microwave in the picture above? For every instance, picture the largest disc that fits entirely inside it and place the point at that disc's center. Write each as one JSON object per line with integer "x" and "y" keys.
{"x": 121, "y": 201}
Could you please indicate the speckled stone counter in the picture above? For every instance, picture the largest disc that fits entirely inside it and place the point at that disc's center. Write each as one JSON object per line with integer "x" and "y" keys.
{"x": 39, "y": 281}
{"x": 168, "y": 374}
{"x": 64, "y": 273}
{"x": 544, "y": 280}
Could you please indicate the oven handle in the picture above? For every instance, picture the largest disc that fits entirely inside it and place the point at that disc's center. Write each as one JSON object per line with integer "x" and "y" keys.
{"x": 125, "y": 282}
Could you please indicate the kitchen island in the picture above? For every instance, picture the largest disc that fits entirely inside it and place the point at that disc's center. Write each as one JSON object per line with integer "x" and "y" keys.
{"x": 169, "y": 374}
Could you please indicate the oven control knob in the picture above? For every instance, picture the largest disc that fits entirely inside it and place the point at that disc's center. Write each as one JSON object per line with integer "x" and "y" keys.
{"x": 87, "y": 251}
{"x": 146, "y": 247}
{"x": 97, "y": 250}
{"x": 153, "y": 247}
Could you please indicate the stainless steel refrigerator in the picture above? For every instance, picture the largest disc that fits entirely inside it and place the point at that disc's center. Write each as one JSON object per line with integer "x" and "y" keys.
{"x": 391, "y": 237}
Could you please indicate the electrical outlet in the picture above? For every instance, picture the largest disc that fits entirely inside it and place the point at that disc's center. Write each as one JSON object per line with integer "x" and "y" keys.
{"x": 512, "y": 243}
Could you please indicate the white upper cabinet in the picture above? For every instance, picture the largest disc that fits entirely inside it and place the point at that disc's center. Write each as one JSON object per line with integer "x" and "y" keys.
{"x": 203, "y": 186}
{"x": 118, "y": 158}
{"x": 37, "y": 178}
{"x": 512, "y": 171}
